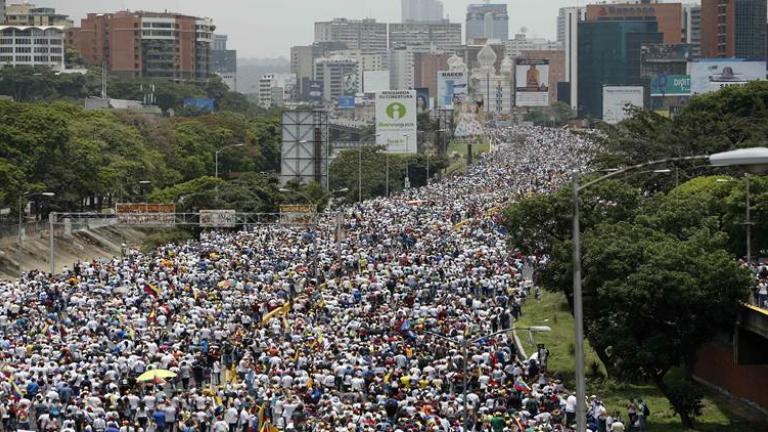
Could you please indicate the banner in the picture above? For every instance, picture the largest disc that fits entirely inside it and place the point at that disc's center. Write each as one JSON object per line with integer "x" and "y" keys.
{"x": 709, "y": 75}
{"x": 616, "y": 99}
{"x": 218, "y": 218}
{"x": 396, "y": 120}
{"x": 451, "y": 88}
{"x": 671, "y": 85}
{"x": 532, "y": 83}
{"x": 346, "y": 102}
{"x": 422, "y": 100}
{"x": 146, "y": 214}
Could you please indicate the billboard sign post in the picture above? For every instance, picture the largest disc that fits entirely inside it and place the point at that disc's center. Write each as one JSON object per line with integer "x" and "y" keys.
{"x": 616, "y": 99}
{"x": 532, "y": 83}
{"x": 671, "y": 85}
{"x": 452, "y": 88}
{"x": 709, "y": 75}
{"x": 396, "y": 120}
{"x": 346, "y": 102}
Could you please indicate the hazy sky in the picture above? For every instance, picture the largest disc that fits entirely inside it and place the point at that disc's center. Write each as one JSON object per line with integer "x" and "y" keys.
{"x": 268, "y": 28}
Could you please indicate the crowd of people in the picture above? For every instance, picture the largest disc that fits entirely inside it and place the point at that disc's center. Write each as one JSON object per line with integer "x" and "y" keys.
{"x": 403, "y": 323}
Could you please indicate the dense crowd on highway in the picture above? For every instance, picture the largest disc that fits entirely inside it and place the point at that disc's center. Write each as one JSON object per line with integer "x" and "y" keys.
{"x": 401, "y": 324}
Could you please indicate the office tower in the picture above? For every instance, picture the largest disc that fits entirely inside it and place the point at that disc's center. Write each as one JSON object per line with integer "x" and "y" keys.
{"x": 692, "y": 28}
{"x": 733, "y": 28}
{"x": 401, "y": 69}
{"x": 562, "y": 18}
{"x": 487, "y": 21}
{"x": 610, "y": 54}
{"x": 224, "y": 61}
{"x": 443, "y": 35}
{"x": 421, "y": 11}
{"x": 146, "y": 44}
{"x": 573, "y": 16}
{"x": 339, "y": 76}
{"x": 2, "y": 11}
{"x": 364, "y": 35}
{"x": 668, "y": 16}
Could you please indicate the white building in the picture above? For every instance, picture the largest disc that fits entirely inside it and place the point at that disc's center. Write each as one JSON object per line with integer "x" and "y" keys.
{"x": 421, "y": 10}
{"x": 366, "y": 35}
{"x": 562, "y": 16}
{"x": 266, "y": 83}
{"x": 514, "y": 47}
{"x": 496, "y": 88}
{"x": 401, "y": 76}
{"x": 572, "y": 17}
{"x": 32, "y": 46}
{"x": 692, "y": 27}
{"x": 276, "y": 89}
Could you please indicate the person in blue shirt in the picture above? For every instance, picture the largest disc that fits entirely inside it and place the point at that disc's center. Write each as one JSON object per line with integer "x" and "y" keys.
{"x": 159, "y": 417}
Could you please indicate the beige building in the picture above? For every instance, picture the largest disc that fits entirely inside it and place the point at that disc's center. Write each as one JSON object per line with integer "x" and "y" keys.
{"x": 27, "y": 14}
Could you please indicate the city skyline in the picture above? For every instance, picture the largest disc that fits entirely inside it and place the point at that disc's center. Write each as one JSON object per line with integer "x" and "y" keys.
{"x": 277, "y": 19}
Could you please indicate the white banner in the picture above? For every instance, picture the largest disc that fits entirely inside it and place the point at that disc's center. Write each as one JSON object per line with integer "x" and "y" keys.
{"x": 218, "y": 219}
{"x": 709, "y": 75}
{"x": 396, "y": 120}
{"x": 616, "y": 99}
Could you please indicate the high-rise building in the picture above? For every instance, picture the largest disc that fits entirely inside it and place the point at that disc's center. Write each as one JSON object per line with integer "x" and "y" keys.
{"x": 339, "y": 76}
{"x": 146, "y": 44}
{"x": 668, "y": 16}
{"x": 419, "y": 11}
{"x": 364, "y": 35}
{"x": 573, "y": 16}
{"x": 303, "y": 61}
{"x": 692, "y": 28}
{"x": 562, "y": 19}
{"x": 733, "y": 28}
{"x": 27, "y": 14}
{"x": 443, "y": 34}
{"x": 401, "y": 69}
{"x": 2, "y": 11}
{"x": 32, "y": 46}
{"x": 487, "y": 21}
{"x": 224, "y": 61}
{"x": 610, "y": 54}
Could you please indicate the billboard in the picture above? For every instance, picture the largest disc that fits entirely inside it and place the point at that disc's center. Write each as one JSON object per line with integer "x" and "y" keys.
{"x": 315, "y": 93}
{"x": 396, "y": 120}
{"x": 218, "y": 218}
{"x": 201, "y": 104}
{"x": 709, "y": 75}
{"x": 346, "y": 102}
{"x": 350, "y": 84}
{"x": 671, "y": 85}
{"x": 532, "y": 82}
{"x": 375, "y": 81}
{"x": 616, "y": 99}
{"x": 451, "y": 88}
{"x": 422, "y": 100}
{"x": 146, "y": 214}
{"x": 469, "y": 122}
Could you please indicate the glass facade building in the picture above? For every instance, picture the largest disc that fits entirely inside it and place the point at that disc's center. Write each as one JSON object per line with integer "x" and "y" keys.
{"x": 610, "y": 54}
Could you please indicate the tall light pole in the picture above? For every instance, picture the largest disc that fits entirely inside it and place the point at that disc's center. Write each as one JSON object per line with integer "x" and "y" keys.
{"x": 216, "y": 155}
{"x": 748, "y": 215}
{"x": 142, "y": 187}
{"x": 360, "y": 169}
{"x": 756, "y": 156}
{"x": 21, "y": 232}
{"x": 426, "y": 151}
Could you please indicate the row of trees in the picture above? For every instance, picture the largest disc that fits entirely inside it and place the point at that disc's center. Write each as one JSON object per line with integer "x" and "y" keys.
{"x": 93, "y": 158}
{"x": 660, "y": 274}
{"x": 39, "y": 83}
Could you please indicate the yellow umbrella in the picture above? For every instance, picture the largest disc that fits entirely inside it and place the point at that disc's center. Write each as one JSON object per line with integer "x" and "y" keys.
{"x": 150, "y": 375}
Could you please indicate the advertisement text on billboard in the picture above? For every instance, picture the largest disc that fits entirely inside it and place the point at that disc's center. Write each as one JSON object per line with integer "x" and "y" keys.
{"x": 671, "y": 85}
{"x": 709, "y": 75}
{"x": 451, "y": 88}
{"x": 396, "y": 120}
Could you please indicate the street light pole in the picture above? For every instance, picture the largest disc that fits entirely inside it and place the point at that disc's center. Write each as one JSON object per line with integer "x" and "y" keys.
{"x": 749, "y": 220}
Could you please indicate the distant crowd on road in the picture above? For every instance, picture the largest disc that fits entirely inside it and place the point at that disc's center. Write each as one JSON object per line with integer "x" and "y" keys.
{"x": 407, "y": 329}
